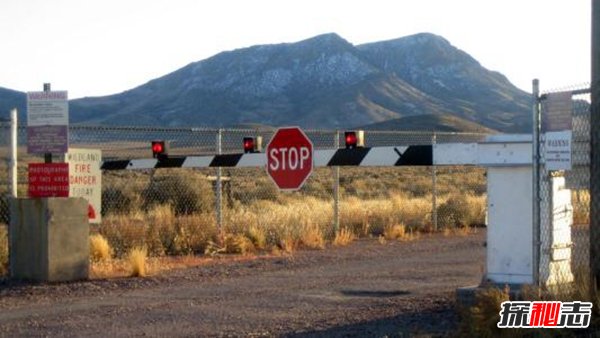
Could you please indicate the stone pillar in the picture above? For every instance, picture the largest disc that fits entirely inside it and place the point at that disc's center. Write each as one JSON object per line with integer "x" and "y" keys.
{"x": 49, "y": 239}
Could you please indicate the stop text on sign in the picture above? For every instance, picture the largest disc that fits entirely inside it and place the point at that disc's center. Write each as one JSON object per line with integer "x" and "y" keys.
{"x": 289, "y": 158}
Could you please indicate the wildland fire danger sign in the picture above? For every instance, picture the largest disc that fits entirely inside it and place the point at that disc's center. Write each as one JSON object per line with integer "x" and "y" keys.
{"x": 85, "y": 179}
{"x": 289, "y": 158}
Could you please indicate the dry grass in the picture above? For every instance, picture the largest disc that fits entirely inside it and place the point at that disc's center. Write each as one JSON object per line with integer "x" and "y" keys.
{"x": 385, "y": 203}
{"x": 288, "y": 245}
{"x": 3, "y": 250}
{"x": 311, "y": 237}
{"x": 481, "y": 319}
{"x": 343, "y": 237}
{"x": 100, "y": 250}
{"x": 258, "y": 237}
{"x": 460, "y": 231}
{"x": 137, "y": 261}
{"x": 399, "y": 232}
{"x": 284, "y": 224}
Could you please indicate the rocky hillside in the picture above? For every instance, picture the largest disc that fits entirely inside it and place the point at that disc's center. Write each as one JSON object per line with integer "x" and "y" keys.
{"x": 321, "y": 82}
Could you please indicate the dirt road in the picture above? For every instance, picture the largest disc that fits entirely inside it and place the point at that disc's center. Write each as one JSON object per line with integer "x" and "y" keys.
{"x": 365, "y": 289}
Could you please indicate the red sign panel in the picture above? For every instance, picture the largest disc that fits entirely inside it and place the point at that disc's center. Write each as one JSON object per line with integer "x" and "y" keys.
{"x": 48, "y": 180}
{"x": 289, "y": 158}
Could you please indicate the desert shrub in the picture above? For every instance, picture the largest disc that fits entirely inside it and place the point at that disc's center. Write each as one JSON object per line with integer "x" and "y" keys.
{"x": 343, "y": 237}
{"x": 3, "y": 250}
{"x": 186, "y": 192}
{"x": 160, "y": 231}
{"x": 200, "y": 230}
{"x": 116, "y": 201}
{"x": 460, "y": 211}
{"x": 251, "y": 190}
{"x": 100, "y": 250}
{"x": 4, "y": 209}
{"x": 481, "y": 319}
{"x": 123, "y": 233}
{"x": 311, "y": 237}
{"x": 396, "y": 231}
{"x": 258, "y": 236}
{"x": 137, "y": 261}
{"x": 232, "y": 244}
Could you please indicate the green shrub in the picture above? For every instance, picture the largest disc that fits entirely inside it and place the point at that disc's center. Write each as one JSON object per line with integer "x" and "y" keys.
{"x": 455, "y": 212}
{"x": 115, "y": 201}
{"x": 185, "y": 191}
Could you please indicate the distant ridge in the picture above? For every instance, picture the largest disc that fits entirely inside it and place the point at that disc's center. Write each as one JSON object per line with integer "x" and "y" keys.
{"x": 438, "y": 123}
{"x": 323, "y": 82}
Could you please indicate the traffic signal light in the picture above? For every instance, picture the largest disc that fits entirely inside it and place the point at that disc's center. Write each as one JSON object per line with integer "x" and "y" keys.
{"x": 354, "y": 139}
{"x": 252, "y": 144}
{"x": 159, "y": 149}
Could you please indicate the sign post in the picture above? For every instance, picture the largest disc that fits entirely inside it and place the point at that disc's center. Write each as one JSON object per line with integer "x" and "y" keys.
{"x": 85, "y": 179}
{"x": 289, "y": 158}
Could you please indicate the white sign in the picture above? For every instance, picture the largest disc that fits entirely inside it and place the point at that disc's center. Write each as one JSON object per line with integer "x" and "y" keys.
{"x": 85, "y": 179}
{"x": 47, "y": 108}
{"x": 47, "y": 122}
{"x": 557, "y": 124}
{"x": 557, "y": 150}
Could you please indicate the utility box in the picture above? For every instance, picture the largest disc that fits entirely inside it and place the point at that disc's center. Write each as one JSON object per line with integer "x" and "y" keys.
{"x": 49, "y": 239}
{"x": 510, "y": 230}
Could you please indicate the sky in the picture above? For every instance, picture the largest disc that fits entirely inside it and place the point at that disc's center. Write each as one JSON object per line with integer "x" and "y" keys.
{"x": 102, "y": 47}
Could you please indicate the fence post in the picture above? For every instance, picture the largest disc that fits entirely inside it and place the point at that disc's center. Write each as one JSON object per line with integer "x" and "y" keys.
{"x": 434, "y": 216}
{"x": 336, "y": 188}
{"x": 536, "y": 181}
{"x": 218, "y": 187}
{"x": 595, "y": 150}
{"x": 13, "y": 173}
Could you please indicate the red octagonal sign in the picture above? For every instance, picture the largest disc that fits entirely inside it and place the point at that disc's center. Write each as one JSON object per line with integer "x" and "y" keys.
{"x": 289, "y": 158}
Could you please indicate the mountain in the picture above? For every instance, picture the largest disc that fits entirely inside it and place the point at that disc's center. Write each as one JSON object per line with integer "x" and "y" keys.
{"x": 432, "y": 65}
{"x": 322, "y": 82}
{"x": 429, "y": 122}
{"x": 10, "y": 99}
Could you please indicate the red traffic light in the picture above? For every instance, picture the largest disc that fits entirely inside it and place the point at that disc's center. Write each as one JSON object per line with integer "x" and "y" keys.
{"x": 253, "y": 144}
{"x": 159, "y": 148}
{"x": 354, "y": 139}
{"x": 248, "y": 144}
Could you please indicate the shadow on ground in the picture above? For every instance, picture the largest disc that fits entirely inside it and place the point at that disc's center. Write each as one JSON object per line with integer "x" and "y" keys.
{"x": 439, "y": 323}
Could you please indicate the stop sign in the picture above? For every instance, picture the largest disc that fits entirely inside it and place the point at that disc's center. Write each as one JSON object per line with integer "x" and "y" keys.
{"x": 289, "y": 158}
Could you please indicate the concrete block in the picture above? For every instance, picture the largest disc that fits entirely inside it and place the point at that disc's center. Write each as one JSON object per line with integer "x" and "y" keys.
{"x": 49, "y": 239}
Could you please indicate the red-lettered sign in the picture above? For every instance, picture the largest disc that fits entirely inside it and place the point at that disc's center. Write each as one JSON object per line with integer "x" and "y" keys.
{"x": 289, "y": 158}
{"x": 48, "y": 180}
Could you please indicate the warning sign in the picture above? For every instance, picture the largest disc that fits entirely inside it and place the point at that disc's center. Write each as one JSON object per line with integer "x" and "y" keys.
{"x": 85, "y": 179}
{"x": 557, "y": 125}
{"x": 48, "y": 180}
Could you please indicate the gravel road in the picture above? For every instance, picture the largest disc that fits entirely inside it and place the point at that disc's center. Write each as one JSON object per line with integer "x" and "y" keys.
{"x": 364, "y": 289}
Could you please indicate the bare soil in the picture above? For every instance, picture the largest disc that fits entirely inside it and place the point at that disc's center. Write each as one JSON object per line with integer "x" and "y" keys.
{"x": 364, "y": 289}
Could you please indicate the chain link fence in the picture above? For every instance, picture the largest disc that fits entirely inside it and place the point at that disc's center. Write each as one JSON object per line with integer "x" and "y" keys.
{"x": 199, "y": 210}
{"x": 564, "y": 212}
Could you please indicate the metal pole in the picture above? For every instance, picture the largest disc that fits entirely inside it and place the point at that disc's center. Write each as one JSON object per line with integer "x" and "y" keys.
{"x": 47, "y": 156}
{"x": 218, "y": 188}
{"x": 13, "y": 154}
{"x": 434, "y": 216}
{"x": 536, "y": 181}
{"x": 595, "y": 149}
{"x": 336, "y": 188}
